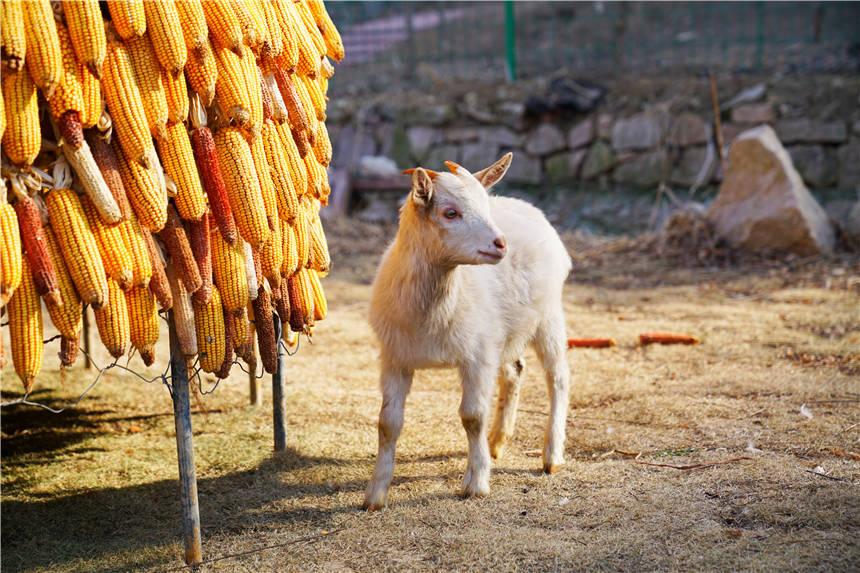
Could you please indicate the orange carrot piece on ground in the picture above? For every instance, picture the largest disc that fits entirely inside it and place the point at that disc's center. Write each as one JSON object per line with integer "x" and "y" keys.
{"x": 590, "y": 342}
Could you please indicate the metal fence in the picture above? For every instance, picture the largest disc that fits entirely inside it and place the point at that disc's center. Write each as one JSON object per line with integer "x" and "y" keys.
{"x": 412, "y": 42}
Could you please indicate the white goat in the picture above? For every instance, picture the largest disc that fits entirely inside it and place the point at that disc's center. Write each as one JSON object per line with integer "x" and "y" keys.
{"x": 468, "y": 282}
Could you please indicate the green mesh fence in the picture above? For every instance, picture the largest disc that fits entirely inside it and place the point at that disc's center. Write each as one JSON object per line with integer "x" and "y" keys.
{"x": 413, "y": 42}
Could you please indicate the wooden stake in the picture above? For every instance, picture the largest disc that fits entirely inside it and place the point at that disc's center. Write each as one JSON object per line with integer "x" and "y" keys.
{"x": 256, "y": 397}
{"x": 184, "y": 449}
{"x": 85, "y": 335}
{"x": 279, "y": 399}
{"x": 717, "y": 125}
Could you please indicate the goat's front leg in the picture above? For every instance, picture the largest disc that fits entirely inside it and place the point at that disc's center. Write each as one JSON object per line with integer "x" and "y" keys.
{"x": 474, "y": 412}
{"x": 395, "y": 383}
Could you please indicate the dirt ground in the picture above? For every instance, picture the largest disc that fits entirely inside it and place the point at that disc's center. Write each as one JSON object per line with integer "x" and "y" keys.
{"x": 772, "y": 390}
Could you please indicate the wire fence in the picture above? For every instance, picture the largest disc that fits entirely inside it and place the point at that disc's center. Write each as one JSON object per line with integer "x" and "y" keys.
{"x": 389, "y": 43}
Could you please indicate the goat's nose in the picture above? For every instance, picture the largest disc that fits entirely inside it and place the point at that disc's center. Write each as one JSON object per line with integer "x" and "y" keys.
{"x": 500, "y": 243}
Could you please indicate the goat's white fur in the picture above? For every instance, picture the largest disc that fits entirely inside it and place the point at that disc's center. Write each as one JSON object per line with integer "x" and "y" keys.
{"x": 469, "y": 292}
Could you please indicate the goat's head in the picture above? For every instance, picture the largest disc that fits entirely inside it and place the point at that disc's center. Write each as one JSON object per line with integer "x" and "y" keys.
{"x": 454, "y": 211}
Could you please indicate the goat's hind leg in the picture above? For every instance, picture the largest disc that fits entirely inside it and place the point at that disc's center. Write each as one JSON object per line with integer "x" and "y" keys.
{"x": 395, "y": 386}
{"x": 550, "y": 343}
{"x": 510, "y": 381}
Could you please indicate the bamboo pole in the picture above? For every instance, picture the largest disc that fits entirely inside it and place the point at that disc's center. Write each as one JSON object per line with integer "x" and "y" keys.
{"x": 279, "y": 400}
{"x": 184, "y": 449}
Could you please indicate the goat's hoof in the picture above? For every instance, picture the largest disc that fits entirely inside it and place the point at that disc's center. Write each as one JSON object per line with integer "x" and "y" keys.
{"x": 474, "y": 494}
{"x": 374, "y": 501}
{"x": 496, "y": 450}
{"x": 552, "y": 468}
{"x": 370, "y": 508}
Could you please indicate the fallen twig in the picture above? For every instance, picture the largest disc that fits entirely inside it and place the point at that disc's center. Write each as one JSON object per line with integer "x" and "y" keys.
{"x": 819, "y": 474}
{"x": 666, "y": 338}
{"x": 694, "y": 466}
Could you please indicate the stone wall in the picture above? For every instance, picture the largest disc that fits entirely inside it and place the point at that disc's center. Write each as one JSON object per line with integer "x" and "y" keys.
{"x": 642, "y": 132}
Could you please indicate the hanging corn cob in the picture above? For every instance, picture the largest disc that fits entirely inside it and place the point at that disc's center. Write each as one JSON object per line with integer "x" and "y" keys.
{"x": 209, "y": 324}
{"x": 36, "y": 249}
{"x": 25, "y": 329}
{"x": 68, "y": 317}
{"x": 22, "y": 138}
{"x": 12, "y": 32}
{"x": 143, "y": 322}
{"x": 194, "y": 28}
{"x": 44, "y": 57}
{"x": 181, "y": 258}
{"x": 112, "y": 321}
{"x": 87, "y": 32}
{"x": 163, "y": 26}
{"x": 178, "y": 160}
{"x": 229, "y": 274}
{"x": 183, "y": 314}
{"x": 128, "y": 17}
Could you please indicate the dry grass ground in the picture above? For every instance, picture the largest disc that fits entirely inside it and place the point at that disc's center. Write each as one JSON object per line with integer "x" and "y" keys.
{"x": 95, "y": 488}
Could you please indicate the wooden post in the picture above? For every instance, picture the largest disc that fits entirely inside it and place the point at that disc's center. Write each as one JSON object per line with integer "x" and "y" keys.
{"x": 279, "y": 399}
{"x": 256, "y": 396}
{"x": 184, "y": 449}
{"x": 85, "y": 334}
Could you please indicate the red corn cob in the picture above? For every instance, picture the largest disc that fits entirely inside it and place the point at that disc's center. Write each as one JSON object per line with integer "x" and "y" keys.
{"x": 181, "y": 256}
{"x": 36, "y": 251}
{"x": 302, "y": 143}
{"x": 203, "y": 145}
{"x": 106, "y": 160}
{"x": 297, "y": 318}
{"x": 282, "y": 302}
{"x": 68, "y": 351}
{"x": 198, "y": 233}
{"x": 71, "y": 129}
{"x": 265, "y": 328}
{"x": 224, "y": 371}
{"x": 158, "y": 284}
{"x": 297, "y": 116}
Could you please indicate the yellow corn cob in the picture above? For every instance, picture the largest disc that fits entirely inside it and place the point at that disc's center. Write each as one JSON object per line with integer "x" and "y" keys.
{"x": 178, "y": 159}
{"x": 326, "y": 69}
{"x": 230, "y": 87}
{"x": 183, "y": 313}
{"x": 44, "y": 58}
{"x": 165, "y": 29}
{"x": 285, "y": 193}
{"x": 143, "y": 322}
{"x": 290, "y": 56}
{"x": 144, "y": 192}
{"x": 272, "y": 257}
{"x": 135, "y": 244}
{"x": 310, "y": 27}
{"x": 252, "y": 76}
{"x": 22, "y": 138}
{"x": 87, "y": 30}
{"x": 317, "y": 176}
{"x": 202, "y": 73}
{"x": 2, "y": 115}
{"x": 228, "y": 269}
{"x": 276, "y": 36}
{"x": 194, "y": 28}
{"x": 147, "y": 73}
{"x": 25, "y": 329}
{"x": 122, "y": 95}
{"x": 322, "y": 82}
{"x": 252, "y": 35}
{"x": 78, "y": 246}
{"x": 10, "y": 252}
{"x": 176, "y": 92}
{"x": 128, "y": 17}
{"x": 291, "y": 250}
{"x": 319, "y": 255}
{"x": 241, "y": 330}
{"x": 91, "y": 90}
{"x": 317, "y": 99}
{"x": 67, "y": 95}
{"x": 320, "y": 303}
{"x": 267, "y": 186}
{"x": 68, "y": 317}
{"x": 112, "y": 321}
{"x": 322, "y": 146}
{"x": 298, "y": 171}
{"x": 116, "y": 259}
{"x": 14, "y": 41}
{"x": 333, "y": 41}
{"x": 303, "y": 234}
{"x": 223, "y": 25}
{"x": 209, "y": 324}
{"x": 242, "y": 185}
{"x": 309, "y": 57}
{"x": 306, "y": 296}
{"x": 308, "y": 105}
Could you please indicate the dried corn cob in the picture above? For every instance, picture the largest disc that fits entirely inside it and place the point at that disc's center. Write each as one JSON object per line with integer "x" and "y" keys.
{"x": 135, "y": 240}
{"x": 128, "y": 17}
{"x": 285, "y": 193}
{"x": 281, "y": 298}
{"x": 297, "y": 316}
{"x": 252, "y": 35}
{"x": 92, "y": 180}
{"x": 87, "y": 30}
{"x": 22, "y": 138}
{"x": 209, "y": 325}
{"x": 312, "y": 32}
{"x": 272, "y": 256}
{"x": 203, "y": 145}
{"x": 326, "y": 70}
{"x": 106, "y": 160}
{"x": 181, "y": 256}
{"x": 158, "y": 284}
{"x": 44, "y": 57}
{"x": 202, "y": 73}
{"x": 116, "y": 259}
{"x": 183, "y": 314}
{"x": 112, "y": 321}
{"x": 276, "y": 36}
{"x": 227, "y": 362}
{"x": 143, "y": 322}
{"x": 25, "y": 329}
{"x": 68, "y": 95}
{"x": 309, "y": 57}
{"x": 291, "y": 251}
{"x": 223, "y": 25}
{"x": 290, "y": 56}
{"x": 176, "y": 93}
{"x": 267, "y": 186}
{"x": 194, "y": 29}
{"x": 308, "y": 107}
{"x": 14, "y": 41}
{"x": 322, "y": 146}
{"x": 317, "y": 176}
{"x": 78, "y": 246}
{"x": 147, "y": 74}
{"x": 231, "y": 88}
{"x": 122, "y": 94}
{"x": 242, "y": 185}
{"x": 143, "y": 188}
{"x": 298, "y": 170}
{"x": 306, "y": 295}
{"x": 178, "y": 159}
{"x": 198, "y": 234}
{"x": 251, "y": 74}
{"x": 68, "y": 350}
{"x": 319, "y": 255}
{"x": 303, "y": 234}
{"x": 165, "y": 29}
{"x": 333, "y": 41}
{"x": 317, "y": 98}
{"x": 2, "y": 115}
{"x": 241, "y": 330}
{"x": 297, "y": 116}
{"x": 262, "y": 307}
{"x": 228, "y": 269}
{"x": 36, "y": 251}
{"x": 320, "y": 303}
{"x": 268, "y": 105}
{"x": 250, "y": 270}
{"x": 302, "y": 142}
{"x": 91, "y": 91}
{"x": 67, "y": 317}
{"x": 10, "y": 252}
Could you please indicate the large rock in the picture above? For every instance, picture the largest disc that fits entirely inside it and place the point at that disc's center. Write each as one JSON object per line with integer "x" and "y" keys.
{"x": 599, "y": 159}
{"x": 477, "y": 155}
{"x": 544, "y": 140}
{"x": 641, "y": 131}
{"x": 754, "y": 113}
{"x": 645, "y": 170}
{"x": 565, "y": 166}
{"x": 581, "y": 134}
{"x": 763, "y": 202}
{"x": 689, "y": 129}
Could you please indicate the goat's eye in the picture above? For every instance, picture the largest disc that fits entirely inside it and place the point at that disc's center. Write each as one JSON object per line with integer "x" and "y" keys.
{"x": 451, "y": 213}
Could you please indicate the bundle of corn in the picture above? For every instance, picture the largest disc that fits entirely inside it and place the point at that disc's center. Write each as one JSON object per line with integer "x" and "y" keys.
{"x": 186, "y": 170}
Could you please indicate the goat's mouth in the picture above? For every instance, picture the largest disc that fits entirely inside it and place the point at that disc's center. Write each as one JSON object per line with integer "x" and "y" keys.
{"x": 497, "y": 255}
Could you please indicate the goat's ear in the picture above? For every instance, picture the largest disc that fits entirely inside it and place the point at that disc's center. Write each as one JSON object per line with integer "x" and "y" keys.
{"x": 492, "y": 174}
{"x": 422, "y": 187}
